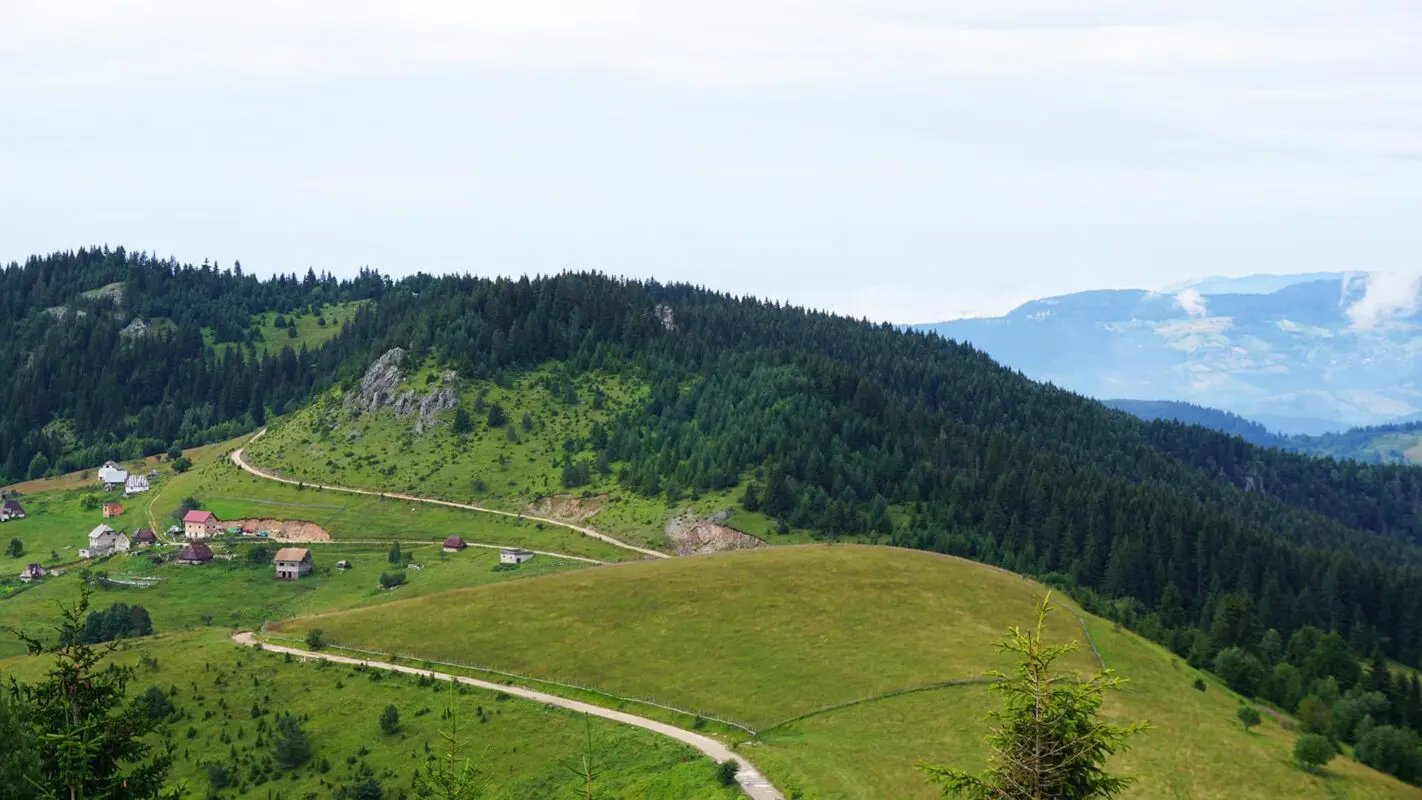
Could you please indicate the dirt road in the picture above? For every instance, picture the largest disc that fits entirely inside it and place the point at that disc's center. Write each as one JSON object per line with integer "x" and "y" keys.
{"x": 752, "y": 782}
{"x": 240, "y": 462}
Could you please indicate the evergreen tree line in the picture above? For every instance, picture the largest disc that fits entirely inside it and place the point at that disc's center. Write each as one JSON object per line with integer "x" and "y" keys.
{"x": 81, "y": 389}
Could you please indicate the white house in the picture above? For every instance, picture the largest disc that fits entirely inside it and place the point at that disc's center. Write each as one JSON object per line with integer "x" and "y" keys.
{"x": 104, "y": 541}
{"x": 135, "y": 484}
{"x": 111, "y": 476}
{"x": 514, "y": 555}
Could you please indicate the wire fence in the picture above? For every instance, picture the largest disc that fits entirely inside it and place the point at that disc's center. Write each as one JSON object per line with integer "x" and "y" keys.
{"x": 513, "y": 676}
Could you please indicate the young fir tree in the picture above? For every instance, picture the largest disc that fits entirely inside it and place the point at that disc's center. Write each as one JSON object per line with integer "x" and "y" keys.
{"x": 451, "y": 776}
{"x": 89, "y": 741}
{"x": 1047, "y": 743}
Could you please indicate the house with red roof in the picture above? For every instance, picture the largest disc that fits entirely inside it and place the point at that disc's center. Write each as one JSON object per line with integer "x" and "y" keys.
{"x": 201, "y": 524}
{"x": 454, "y": 544}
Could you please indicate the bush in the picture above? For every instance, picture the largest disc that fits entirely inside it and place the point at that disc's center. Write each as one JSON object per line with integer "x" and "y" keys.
{"x": 390, "y": 720}
{"x": 1240, "y": 670}
{"x": 289, "y": 745}
{"x": 1312, "y": 751}
{"x": 182, "y": 464}
{"x": 1248, "y": 716}
{"x": 368, "y": 789}
{"x": 314, "y": 639}
{"x": 726, "y": 772}
{"x": 1396, "y": 751}
{"x": 389, "y": 580}
{"x": 155, "y": 704}
{"x": 219, "y": 775}
{"x": 1199, "y": 684}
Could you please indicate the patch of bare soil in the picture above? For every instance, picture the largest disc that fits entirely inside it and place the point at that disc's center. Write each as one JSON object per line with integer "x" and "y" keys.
{"x": 693, "y": 535}
{"x": 567, "y": 507}
{"x": 281, "y": 530}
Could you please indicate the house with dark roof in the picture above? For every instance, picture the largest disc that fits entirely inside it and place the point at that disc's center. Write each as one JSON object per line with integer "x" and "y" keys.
{"x": 32, "y": 572}
{"x": 454, "y": 544}
{"x": 201, "y": 524}
{"x": 292, "y": 563}
{"x": 195, "y": 553}
{"x": 144, "y": 537}
{"x": 10, "y": 509}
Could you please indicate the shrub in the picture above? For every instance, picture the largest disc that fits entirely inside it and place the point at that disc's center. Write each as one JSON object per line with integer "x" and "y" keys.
{"x": 1248, "y": 715}
{"x": 1199, "y": 684}
{"x": 1312, "y": 751}
{"x": 389, "y": 580}
{"x": 289, "y": 744}
{"x": 219, "y": 775}
{"x": 155, "y": 704}
{"x": 315, "y": 639}
{"x": 726, "y": 772}
{"x": 390, "y": 720}
{"x": 1240, "y": 670}
{"x": 1396, "y": 751}
{"x": 182, "y": 464}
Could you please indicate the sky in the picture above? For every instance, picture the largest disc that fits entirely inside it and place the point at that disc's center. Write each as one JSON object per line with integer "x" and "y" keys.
{"x": 903, "y": 160}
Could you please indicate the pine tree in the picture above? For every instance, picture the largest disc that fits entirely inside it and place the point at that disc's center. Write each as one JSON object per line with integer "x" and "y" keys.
{"x": 1047, "y": 743}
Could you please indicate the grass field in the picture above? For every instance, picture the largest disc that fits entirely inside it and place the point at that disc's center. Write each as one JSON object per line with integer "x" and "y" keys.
{"x": 505, "y": 467}
{"x": 522, "y": 747}
{"x": 232, "y": 493}
{"x": 238, "y": 594}
{"x": 763, "y": 636}
{"x": 310, "y": 333}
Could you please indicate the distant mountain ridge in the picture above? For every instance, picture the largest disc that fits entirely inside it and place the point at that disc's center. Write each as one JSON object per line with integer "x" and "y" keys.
{"x": 1399, "y": 443}
{"x": 1307, "y": 357}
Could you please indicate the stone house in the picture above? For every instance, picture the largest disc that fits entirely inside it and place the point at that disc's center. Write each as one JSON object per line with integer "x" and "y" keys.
{"x": 104, "y": 541}
{"x": 514, "y": 555}
{"x": 32, "y": 572}
{"x": 292, "y": 563}
{"x": 201, "y": 524}
{"x": 112, "y": 510}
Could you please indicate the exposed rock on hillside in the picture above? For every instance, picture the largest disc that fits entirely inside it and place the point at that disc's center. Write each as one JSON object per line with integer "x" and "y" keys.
{"x": 666, "y": 316}
{"x": 378, "y": 387}
{"x": 134, "y": 329}
{"x": 567, "y": 507}
{"x": 692, "y": 535}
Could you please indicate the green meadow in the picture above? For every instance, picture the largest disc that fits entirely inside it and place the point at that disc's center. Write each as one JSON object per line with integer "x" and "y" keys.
{"x": 785, "y": 640}
{"x": 226, "y": 699}
{"x": 310, "y": 332}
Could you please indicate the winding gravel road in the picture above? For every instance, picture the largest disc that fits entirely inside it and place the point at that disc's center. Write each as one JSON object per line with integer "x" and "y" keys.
{"x": 260, "y": 473}
{"x": 752, "y": 782}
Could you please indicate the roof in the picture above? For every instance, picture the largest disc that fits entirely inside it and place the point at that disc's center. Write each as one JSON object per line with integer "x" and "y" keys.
{"x": 518, "y": 551}
{"x": 110, "y": 473}
{"x": 293, "y": 554}
{"x": 111, "y": 506}
{"x": 196, "y": 551}
{"x": 33, "y": 569}
{"x": 199, "y": 516}
{"x": 454, "y": 541}
{"x": 102, "y": 530}
{"x": 11, "y": 505}
{"x": 144, "y": 535}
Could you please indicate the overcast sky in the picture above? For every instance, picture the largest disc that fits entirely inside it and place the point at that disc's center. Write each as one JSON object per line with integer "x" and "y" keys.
{"x": 910, "y": 160}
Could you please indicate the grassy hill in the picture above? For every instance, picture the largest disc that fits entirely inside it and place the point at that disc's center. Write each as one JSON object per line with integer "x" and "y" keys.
{"x": 312, "y": 330}
{"x": 522, "y": 747}
{"x": 786, "y": 640}
{"x": 552, "y": 418}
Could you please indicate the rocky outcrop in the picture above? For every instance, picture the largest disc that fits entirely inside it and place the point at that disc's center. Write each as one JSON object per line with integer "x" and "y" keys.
{"x": 134, "y": 329}
{"x": 666, "y": 316}
{"x": 692, "y": 535}
{"x": 378, "y": 390}
{"x": 377, "y": 386}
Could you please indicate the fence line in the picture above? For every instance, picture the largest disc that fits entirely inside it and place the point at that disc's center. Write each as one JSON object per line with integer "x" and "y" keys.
{"x": 927, "y": 687}
{"x": 518, "y": 677}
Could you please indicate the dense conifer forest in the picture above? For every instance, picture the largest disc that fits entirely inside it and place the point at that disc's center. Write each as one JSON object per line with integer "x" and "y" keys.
{"x": 840, "y": 427}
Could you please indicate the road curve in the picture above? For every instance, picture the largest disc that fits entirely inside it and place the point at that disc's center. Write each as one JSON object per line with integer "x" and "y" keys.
{"x": 751, "y": 781}
{"x": 260, "y": 473}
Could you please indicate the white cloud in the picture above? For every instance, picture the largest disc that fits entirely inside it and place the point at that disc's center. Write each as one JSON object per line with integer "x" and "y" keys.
{"x": 1389, "y": 295}
{"x": 1192, "y": 303}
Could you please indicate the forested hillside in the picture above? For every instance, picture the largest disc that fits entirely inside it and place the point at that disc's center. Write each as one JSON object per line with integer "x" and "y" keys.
{"x": 104, "y": 355}
{"x": 842, "y": 428}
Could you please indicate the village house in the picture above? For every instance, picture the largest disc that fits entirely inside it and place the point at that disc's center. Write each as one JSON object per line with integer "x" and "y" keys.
{"x": 32, "y": 572}
{"x": 144, "y": 537}
{"x": 292, "y": 563}
{"x": 195, "y": 553}
{"x": 454, "y": 544}
{"x": 104, "y": 541}
{"x": 514, "y": 555}
{"x": 112, "y": 510}
{"x": 201, "y": 524}
{"x": 112, "y": 476}
{"x": 135, "y": 484}
{"x": 9, "y": 510}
